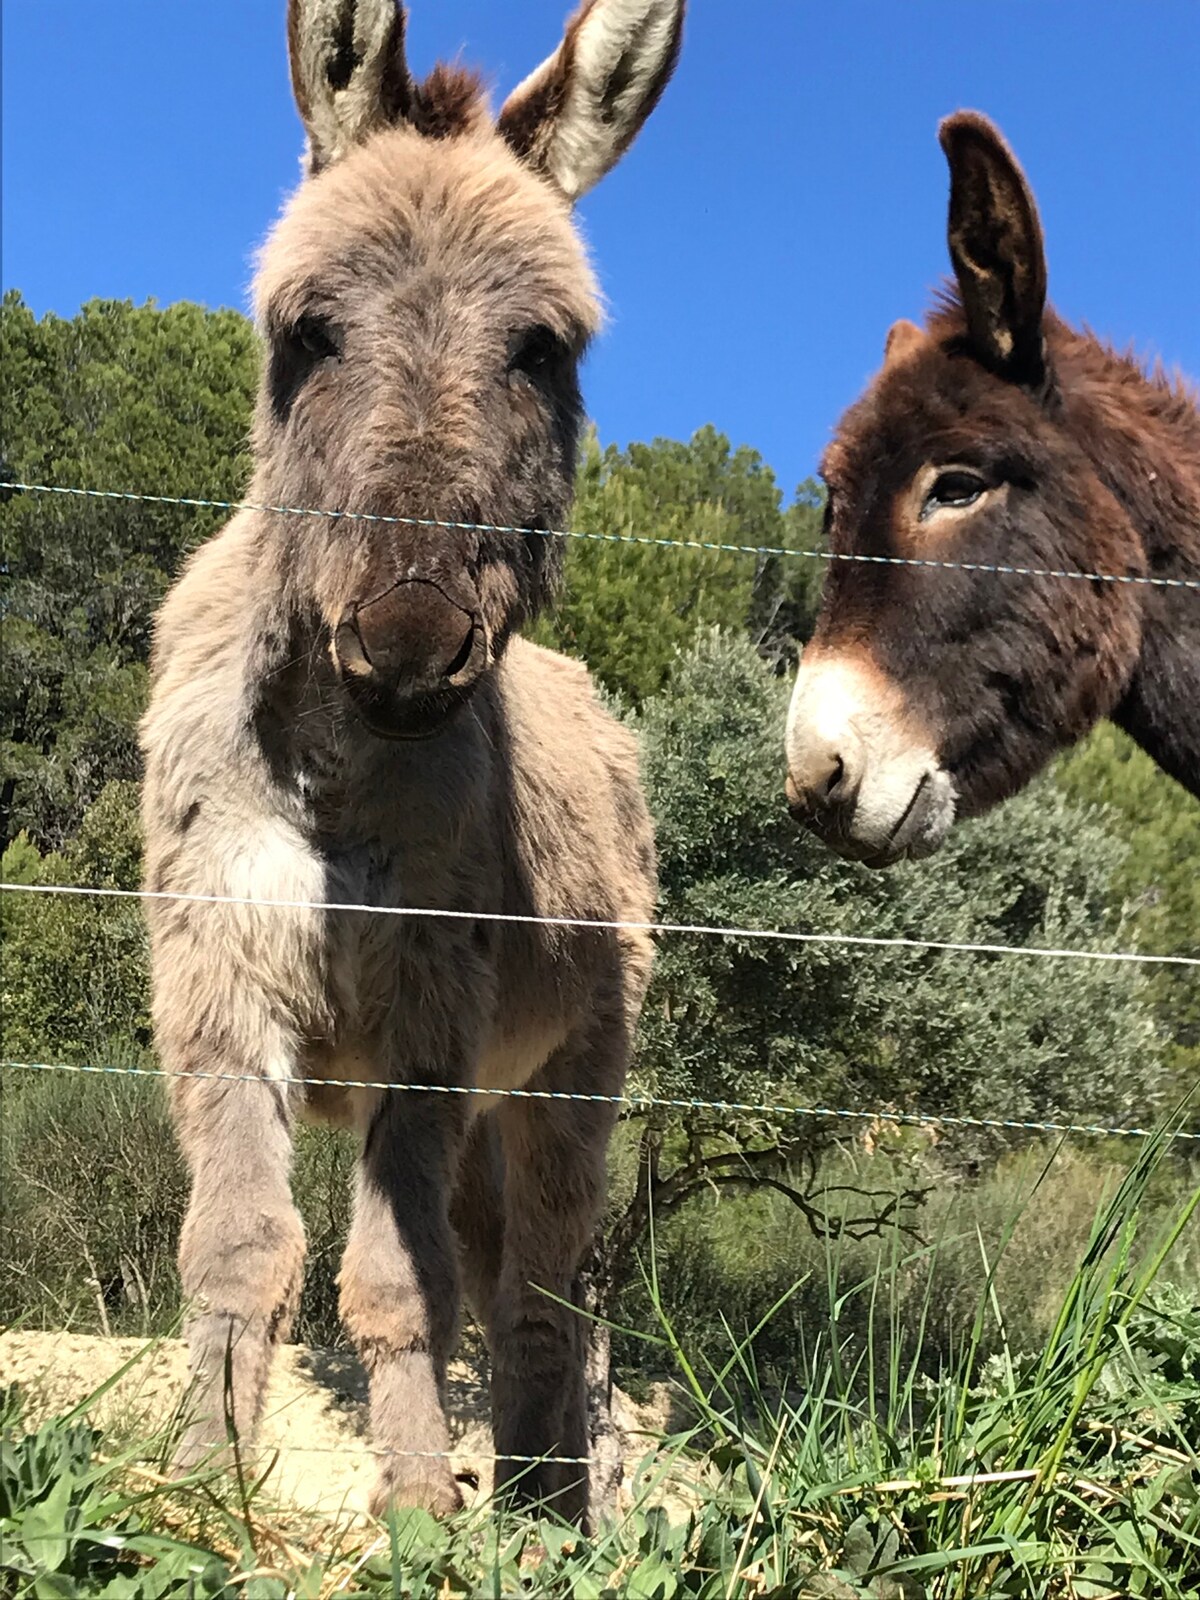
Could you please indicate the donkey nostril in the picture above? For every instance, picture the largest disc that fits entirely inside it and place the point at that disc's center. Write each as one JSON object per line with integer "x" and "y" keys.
{"x": 833, "y": 782}
{"x": 825, "y": 771}
{"x": 454, "y": 667}
{"x": 351, "y": 652}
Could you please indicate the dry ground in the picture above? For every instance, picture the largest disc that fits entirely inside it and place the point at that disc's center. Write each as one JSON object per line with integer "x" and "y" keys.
{"x": 315, "y": 1417}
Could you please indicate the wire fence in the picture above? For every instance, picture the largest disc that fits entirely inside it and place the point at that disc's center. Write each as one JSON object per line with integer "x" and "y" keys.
{"x": 713, "y": 930}
{"x": 630, "y": 1101}
{"x": 999, "y": 569}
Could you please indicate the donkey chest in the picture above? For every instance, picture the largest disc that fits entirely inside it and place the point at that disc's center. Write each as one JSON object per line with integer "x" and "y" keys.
{"x": 392, "y": 943}
{"x": 337, "y": 931}
{"x": 394, "y": 838}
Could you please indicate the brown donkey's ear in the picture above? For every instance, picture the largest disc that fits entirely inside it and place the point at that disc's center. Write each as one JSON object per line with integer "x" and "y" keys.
{"x": 348, "y": 71}
{"x": 996, "y": 248}
{"x": 576, "y": 115}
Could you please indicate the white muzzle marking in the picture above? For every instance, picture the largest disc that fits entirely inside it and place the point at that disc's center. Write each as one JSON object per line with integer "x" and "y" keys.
{"x": 868, "y": 776}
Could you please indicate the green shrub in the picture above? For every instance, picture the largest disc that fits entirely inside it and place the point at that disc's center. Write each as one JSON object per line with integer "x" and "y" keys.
{"x": 93, "y": 1198}
{"x": 94, "y": 1195}
{"x": 776, "y": 1023}
{"x": 75, "y": 973}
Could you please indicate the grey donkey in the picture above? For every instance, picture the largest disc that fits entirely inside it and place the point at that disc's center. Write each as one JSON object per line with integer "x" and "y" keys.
{"x": 342, "y": 711}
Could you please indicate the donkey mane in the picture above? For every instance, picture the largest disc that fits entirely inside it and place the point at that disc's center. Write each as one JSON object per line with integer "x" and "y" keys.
{"x": 452, "y": 100}
{"x": 1174, "y": 397}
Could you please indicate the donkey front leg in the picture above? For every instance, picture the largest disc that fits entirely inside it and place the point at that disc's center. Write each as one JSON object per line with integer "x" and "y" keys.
{"x": 554, "y": 1162}
{"x": 241, "y": 1252}
{"x": 399, "y": 1292}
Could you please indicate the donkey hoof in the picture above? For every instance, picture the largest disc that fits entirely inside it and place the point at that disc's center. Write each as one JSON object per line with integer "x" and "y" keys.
{"x": 437, "y": 1493}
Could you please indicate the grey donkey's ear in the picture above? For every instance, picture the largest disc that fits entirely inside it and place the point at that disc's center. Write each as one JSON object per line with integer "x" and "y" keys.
{"x": 349, "y": 74}
{"x": 576, "y": 115}
{"x": 996, "y": 248}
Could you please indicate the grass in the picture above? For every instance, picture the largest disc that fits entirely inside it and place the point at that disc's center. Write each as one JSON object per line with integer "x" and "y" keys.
{"x": 1070, "y": 1470}
{"x": 1026, "y": 1215}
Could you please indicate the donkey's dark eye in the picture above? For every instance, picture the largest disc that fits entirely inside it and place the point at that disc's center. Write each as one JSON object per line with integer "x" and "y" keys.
{"x": 316, "y": 337}
{"x": 297, "y": 350}
{"x": 955, "y": 488}
{"x": 533, "y": 353}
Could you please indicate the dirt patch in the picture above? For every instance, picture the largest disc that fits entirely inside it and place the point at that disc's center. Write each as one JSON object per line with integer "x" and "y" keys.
{"x": 314, "y": 1421}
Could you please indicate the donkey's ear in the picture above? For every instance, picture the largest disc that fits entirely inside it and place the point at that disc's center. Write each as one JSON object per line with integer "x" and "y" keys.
{"x": 349, "y": 74}
{"x": 996, "y": 248}
{"x": 578, "y": 113}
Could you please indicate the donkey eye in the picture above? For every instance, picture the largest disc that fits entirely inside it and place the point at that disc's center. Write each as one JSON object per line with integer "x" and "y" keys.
{"x": 533, "y": 352}
{"x": 956, "y": 488}
{"x": 316, "y": 337}
{"x": 296, "y": 351}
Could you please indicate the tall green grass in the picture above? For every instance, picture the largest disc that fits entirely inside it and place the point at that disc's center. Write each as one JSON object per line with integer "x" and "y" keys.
{"x": 1071, "y": 1469}
{"x": 869, "y": 1468}
{"x": 1024, "y": 1219}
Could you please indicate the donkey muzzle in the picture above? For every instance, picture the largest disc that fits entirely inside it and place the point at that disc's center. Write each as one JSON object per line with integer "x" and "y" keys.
{"x": 409, "y": 657}
{"x": 862, "y": 771}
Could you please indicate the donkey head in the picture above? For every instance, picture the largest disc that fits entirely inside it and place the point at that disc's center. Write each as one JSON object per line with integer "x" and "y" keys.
{"x": 932, "y": 692}
{"x": 425, "y": 300}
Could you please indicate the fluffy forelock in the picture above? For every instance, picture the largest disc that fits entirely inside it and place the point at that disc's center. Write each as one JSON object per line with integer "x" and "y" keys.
{"x": 465, "y": 196}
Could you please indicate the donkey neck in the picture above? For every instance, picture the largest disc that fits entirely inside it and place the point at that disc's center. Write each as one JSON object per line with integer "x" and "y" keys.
{"x": 1142, "y": 437}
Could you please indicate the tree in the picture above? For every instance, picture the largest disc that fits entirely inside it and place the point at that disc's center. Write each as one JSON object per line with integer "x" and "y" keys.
{"x": 122, "y": 397}
{"x": 628, "y": 609}
{"x": 75, "y": 982}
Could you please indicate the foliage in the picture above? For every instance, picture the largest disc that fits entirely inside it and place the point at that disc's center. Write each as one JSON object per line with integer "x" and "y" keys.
{"x": 733, "y": 1019}
{"x": 94, "y": 1196}
{"x": 121, "y": 397}
{"x": 1066, "y": 1472}
{"x": 70, "y": 1525}
{"x": 725, "y": 1256}
{"x": 628, "y": 609}
{"x": 75, "y": 976}
{"x": 784, "y": 1024}
{"x": 1159, "y": 878}
{"x": 1162, "y": 823}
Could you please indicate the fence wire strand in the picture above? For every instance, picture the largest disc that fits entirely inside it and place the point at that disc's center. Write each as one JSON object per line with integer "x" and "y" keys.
{"x": 626, "y": 1102}
{"x": 998, "y": 568}
{"x": 713, "y": 930}
{"x": 383, "y": 1452}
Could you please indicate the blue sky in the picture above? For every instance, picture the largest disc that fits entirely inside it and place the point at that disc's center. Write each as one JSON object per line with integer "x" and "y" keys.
{"x": 785, "y": 204}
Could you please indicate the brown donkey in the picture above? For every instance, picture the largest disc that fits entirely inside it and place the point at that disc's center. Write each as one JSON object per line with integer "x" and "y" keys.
{"x": 999, "y": 436}
{"x": 340, "y": 713}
